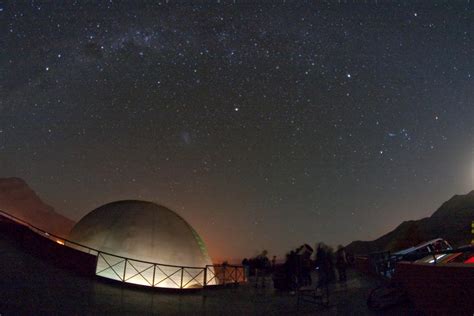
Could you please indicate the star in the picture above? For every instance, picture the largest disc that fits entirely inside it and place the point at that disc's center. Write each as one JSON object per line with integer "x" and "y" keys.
{"x": 239, "y": 115}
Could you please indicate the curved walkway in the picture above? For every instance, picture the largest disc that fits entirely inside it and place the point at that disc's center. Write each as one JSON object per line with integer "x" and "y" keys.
{"x": 32, "y": 285}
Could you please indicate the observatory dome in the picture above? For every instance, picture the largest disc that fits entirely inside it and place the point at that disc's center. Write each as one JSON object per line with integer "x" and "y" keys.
{"x": 142, "y": 231}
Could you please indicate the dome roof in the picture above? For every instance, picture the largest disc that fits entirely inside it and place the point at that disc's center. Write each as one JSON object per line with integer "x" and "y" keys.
{"x": 143, "y": 231}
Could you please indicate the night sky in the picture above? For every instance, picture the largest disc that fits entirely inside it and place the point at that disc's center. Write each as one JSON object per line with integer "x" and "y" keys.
{"x": 265, "y": 126}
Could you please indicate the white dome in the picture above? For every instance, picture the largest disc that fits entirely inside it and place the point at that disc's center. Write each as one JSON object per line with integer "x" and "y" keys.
{"x": 143, "y": 231}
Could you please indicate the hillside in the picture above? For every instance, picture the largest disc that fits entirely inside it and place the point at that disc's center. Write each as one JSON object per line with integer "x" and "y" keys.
{"x": 452, "y": 221}
{"x": 18, "y": 199}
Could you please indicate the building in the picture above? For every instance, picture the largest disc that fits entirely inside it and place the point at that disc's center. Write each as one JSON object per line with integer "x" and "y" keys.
{"x": 144, "y": 243}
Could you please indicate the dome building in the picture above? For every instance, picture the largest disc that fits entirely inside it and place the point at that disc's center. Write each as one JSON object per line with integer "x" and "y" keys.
{"x": 148, "y": 234}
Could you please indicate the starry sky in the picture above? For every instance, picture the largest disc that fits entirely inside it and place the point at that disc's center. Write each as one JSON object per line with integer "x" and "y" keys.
{"x": 264, "y": 125}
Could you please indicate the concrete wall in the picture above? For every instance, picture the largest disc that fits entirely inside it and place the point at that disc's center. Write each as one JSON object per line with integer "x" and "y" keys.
{"x": 363, "y": 265}
{"x": 57, "y": 254}
{"x": 446, "y": 289}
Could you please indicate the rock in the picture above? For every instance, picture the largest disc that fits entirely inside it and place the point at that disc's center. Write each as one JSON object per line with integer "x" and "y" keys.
{"x": 19, "y": 200}
{"x": 452, "y": 222}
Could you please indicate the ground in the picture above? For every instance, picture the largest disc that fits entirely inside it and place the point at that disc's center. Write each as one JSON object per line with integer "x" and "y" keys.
{"x": 31, "y": 285}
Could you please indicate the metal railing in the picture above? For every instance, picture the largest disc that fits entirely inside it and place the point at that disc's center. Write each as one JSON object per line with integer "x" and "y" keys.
{"x": 149, "y": 273}
{"x": 53, "y": 237}
{"x": 384, "y": 263}
{"x": 436, "y": 255}
{"x": 224, "y": 274}
{"x": 146, "y": 273}
{"x": 164, "y": 275}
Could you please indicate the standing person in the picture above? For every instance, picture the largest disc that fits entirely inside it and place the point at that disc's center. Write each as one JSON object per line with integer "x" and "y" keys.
{"x": 325, "y": 269}
{"x": 292, "y": 272}
{"x": 245, "y": 265}
{"x": 306, "y": 268}
{"x": 304, "y": 254}
{"x": 341, "y": 263}
{"x": 262, "y": 267}
{"x": 321, "y": 264}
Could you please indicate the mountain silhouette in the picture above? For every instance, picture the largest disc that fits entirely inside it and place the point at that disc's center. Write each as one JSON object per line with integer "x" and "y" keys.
{"x": 19, "y": 200}
{"x": 452, "y": 222}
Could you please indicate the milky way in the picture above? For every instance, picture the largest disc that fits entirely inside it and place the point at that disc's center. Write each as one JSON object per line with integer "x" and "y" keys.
{"x": 265, "y": 126}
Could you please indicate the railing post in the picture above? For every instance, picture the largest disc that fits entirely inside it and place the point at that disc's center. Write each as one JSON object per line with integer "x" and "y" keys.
{"x": 223, "y": 268}
{"x": 124, "y": 270}
{"x": 205, "y": 276}
{"x": 154, "y": 270}
{"x": 182, "y": 271}
{"x": 96, "y": 263}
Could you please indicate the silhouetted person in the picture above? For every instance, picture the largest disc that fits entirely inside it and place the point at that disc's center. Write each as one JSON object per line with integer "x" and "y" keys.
{"x": 341, "y": 263}
{"x": 261, "y": 268}
{"x": 325, "y": 266}
{"x": 291, "y": 266}
{"x": 245, "y": 265}
{"x": 306, "y": 269}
